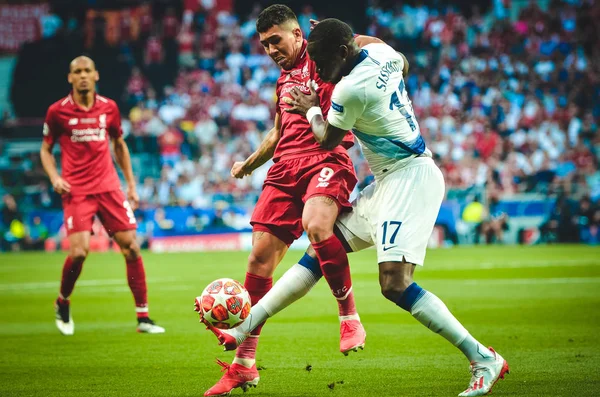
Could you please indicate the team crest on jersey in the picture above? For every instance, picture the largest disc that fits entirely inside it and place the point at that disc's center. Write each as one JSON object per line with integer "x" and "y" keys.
{"x": 73, "y": 121}
{"x": 102, "y": 120}
{"x": 305, "y": 72}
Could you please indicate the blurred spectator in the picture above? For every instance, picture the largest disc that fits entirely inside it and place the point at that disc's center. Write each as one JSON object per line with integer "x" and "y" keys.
{"x": 144, "y": 231}
{"x": 587, "y": 219}
{"x": 160, "y": 220}
{"x": 36, "y": 234}
{"x": 217, "y": 220}
{"x": 495, "y": 223}
{"x": 559, "y": 227}
{"x": 147, "y": 191}
{"x": 170, "y": 146}
{"x": 170, "y": 24}
{"x": 154, "y": 51}
{"x": 136, "y": 86}
{"x": 186, "y": 47}
{"x": 12, "y": 228}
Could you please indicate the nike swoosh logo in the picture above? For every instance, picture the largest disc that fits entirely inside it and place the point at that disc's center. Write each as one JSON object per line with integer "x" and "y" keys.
{"x": 389, "y": 248}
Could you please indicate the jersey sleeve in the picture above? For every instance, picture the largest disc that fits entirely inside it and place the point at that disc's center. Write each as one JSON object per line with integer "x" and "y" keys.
{"x": 114, "y": 129}
{"x": 50, "y": 130}
{"x": 347, "y": 105}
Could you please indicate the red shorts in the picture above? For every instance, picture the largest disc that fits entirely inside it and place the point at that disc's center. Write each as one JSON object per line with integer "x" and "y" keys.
{"x": 290, "y": 183}
{"x": 112, "y": 209}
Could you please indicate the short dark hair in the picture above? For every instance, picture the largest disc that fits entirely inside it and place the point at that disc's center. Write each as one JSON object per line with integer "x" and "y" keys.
{"x": 274, "y": 15}
{"x": 330, "y": 34}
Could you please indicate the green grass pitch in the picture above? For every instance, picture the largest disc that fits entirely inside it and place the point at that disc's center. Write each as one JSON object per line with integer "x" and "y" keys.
{"x": 538, "y": 306}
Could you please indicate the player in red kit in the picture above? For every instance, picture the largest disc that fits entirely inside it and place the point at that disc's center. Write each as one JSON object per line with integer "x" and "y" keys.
{"x": 82, "y": 124}
{"x": 305, "y": 190}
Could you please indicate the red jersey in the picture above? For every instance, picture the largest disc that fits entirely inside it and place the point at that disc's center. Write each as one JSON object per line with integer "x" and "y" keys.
{"x": 83, "y": 137}
{"x": 296, "y": 135}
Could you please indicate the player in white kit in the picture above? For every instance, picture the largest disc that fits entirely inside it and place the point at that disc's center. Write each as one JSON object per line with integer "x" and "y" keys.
{"x": 397, "y": 212}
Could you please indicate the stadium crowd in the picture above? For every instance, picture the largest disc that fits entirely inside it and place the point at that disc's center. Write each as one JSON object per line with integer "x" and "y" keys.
{"x": 507, "y": 105}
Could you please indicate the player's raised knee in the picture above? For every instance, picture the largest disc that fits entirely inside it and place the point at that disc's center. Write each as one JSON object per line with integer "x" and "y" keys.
{"x": 317, "y": 230}
{"x": 261, "y": 263}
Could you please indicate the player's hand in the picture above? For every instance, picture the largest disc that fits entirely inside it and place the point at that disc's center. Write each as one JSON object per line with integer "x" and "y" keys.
{"x": 133, "y": 198}
{"x": 61, "y": 186}
{"x": 239, "y": 170}
{"x": 302, "y": 102}
{"x": 313, "y": 23}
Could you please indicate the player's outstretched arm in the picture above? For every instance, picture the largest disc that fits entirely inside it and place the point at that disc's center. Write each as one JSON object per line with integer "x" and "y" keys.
{"x": 124, "y": 160}
{"x": 263, "y": 154}
{"x": 49, "y": 163}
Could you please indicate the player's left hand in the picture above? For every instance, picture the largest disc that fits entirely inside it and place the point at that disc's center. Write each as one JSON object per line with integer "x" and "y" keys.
{"x": 302, "y": 102}
{"x": 133, "y": 198}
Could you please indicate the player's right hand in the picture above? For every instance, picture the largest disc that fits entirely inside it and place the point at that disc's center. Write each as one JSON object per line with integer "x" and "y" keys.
{"x": 239, "y": 170}
{"x": 61, "y": 186}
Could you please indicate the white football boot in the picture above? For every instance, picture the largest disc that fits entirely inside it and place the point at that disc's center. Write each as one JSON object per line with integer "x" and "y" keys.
{"x": 147, "y": 326}
{"x": 485, "y": 374}
{"x": 64, "y": 321}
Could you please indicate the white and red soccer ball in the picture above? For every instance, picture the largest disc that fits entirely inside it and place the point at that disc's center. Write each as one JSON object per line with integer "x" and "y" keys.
{"x": 224, "y": 303}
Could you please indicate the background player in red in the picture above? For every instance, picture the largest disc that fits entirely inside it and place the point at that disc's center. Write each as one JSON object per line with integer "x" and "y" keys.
{"x": 82, "y": 124}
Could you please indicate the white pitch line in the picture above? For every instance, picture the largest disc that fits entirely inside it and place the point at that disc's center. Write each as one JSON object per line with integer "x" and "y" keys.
{"x": 512, "y": 264}
{"x": 88, "y": 283}
{"x": 523, "y": 281}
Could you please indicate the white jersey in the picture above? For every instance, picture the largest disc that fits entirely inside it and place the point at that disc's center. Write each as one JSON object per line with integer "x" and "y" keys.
{"x": 372, "y": 101}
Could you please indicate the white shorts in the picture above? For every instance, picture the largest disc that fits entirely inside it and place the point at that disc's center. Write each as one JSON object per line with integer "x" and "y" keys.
{"x": 397, "y": 213}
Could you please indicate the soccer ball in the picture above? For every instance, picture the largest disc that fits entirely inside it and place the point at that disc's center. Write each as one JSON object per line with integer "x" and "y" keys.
{"x": 224, "y": 303}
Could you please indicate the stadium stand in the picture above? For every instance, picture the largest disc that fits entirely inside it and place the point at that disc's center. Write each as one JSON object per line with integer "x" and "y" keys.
{"x": 508, "y": 99}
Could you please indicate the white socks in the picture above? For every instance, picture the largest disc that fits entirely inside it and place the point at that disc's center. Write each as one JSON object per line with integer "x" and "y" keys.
{"x": 433, "y": 313}
{"x": 293, "y": 285}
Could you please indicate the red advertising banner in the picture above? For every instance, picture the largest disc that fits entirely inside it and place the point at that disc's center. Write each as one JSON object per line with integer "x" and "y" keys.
{"x": 198, "y": 243}
{"x": 20, "y": 24}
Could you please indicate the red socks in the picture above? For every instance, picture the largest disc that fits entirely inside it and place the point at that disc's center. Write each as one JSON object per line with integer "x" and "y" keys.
{"x": 257, "y": 287}
{"x": 334, "y": 265}
{"x": 70, "y": 274}
{"x": 136, "y": 278}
